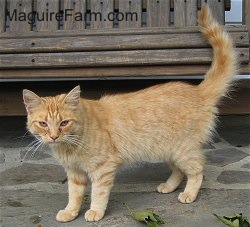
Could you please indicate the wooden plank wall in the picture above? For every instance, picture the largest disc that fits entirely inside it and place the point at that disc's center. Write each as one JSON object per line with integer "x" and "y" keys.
{"x": 160, "y": 13}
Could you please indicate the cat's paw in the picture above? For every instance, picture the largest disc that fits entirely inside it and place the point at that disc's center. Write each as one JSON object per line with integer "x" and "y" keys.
{"x": 66, "y": 215}
{"x": 92, "y": 215}
{"x": 185, "y": 197}
{"x": 165, "y": 188}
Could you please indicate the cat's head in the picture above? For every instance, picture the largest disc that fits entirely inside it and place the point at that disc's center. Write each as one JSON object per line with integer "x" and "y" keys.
{"x": 53, "y": 120}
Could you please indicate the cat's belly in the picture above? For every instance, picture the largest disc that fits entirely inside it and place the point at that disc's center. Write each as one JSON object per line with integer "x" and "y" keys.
{"x": 144, "y": 150}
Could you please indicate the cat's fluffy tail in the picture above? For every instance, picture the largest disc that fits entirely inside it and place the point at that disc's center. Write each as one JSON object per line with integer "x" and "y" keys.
{"x": 224, "y": 66}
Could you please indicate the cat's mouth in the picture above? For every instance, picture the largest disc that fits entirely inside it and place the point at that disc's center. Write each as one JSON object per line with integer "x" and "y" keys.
{"x": 53, "y": 142}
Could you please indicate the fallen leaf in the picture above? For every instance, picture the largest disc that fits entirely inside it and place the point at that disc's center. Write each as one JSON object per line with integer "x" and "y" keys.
{"x": 234, "y": 220}
{"x": 147, "y": 216}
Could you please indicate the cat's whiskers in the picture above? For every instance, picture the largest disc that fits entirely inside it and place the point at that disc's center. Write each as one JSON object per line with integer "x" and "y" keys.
{"x": 39, "y": 144}
{"x": 24, "y": 136}
{"x": 29, "y": 147}
{"x": 33, "y": 145}
{"x": 74, "y": 140}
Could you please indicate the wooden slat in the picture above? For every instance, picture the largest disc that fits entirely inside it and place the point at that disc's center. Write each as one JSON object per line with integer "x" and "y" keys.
{"x": 2, "y": 16}
{"x": 101, "y": 8}
{"x": 111, "y": 32}
{"x": 158, "y": 13}
{"x": 246, "y": 18}
{"x": 117, "y": 42}
{"x": 109, "y": 72}
{"x": 179, "y": 13}
{"x": 18, "y": 25}
{"x": 191, "y": 12}
{"x": 246, "y": 13}
{"x": 77, "y": 6}
{"x": 50, "y": 23}
{"x": 130, "y": 6}
{"x": 107, "y": 58}
{"x": 217, "y": 8}
{"x": 113, "y": 58}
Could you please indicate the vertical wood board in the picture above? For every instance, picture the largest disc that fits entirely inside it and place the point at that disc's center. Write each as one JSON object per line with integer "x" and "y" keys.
{"x": 179, "y": 13}
{"x": 158, "y": 13}
{"x": 217, "y": 8}
{"x": 21, "y": 24}
{"x": 46, "y": 10}
{"x": 2, "y": 15}
{"x": 191, "y": 12}
{"x": 132, "y": 12}
{"x": 99, "y": 14}
{"x": 78, "y": 10}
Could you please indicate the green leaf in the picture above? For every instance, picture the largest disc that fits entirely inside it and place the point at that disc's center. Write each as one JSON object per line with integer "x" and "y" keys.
{"x": 159, "y": 219}
{"x": 152, "y": 224}
{"x": 228, "y": 220}
{"x": 147, "y": 216}
{"x": 234, "y": 220}
{"x": 244, "y": 222}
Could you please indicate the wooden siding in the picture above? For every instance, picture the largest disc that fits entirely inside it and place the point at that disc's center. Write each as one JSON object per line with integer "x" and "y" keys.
{"x": 98, "y": 14}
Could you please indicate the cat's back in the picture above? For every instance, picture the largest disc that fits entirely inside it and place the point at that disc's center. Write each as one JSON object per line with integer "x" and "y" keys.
{"x": 171, "y": 93}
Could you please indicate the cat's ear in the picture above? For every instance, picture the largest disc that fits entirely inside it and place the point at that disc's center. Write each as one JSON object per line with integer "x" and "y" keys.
{"x": 72, "y": 99}
{"x": 31, "y": 100}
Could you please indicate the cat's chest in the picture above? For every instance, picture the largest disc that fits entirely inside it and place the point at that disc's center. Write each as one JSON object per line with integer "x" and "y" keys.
{"x": 69, "y": 158}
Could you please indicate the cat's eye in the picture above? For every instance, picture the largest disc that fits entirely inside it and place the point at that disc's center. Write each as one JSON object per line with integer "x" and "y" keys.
{"x": 64, "y": 123}
{"x": 43, "y": 124}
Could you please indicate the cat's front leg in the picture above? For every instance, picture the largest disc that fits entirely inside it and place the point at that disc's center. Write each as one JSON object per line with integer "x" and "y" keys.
{"x": 102, "y": 182}
{"x": 76, "y": 187}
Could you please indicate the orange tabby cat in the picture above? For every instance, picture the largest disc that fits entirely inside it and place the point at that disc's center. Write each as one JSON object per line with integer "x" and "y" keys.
{"x": 164, "y": 123}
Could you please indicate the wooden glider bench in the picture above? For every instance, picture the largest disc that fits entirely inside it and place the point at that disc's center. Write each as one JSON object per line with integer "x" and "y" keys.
{"x": 134, "y": 38}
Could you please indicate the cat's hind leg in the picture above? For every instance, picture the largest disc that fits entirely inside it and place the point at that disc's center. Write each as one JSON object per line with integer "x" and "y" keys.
{"x": 192, "y": 188}
{"x": 173, "y": 181}
{"x": 192, "y": 166}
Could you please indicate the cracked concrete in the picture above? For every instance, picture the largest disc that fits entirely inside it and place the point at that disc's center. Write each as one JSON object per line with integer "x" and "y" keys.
{"x": 32, "y": 191}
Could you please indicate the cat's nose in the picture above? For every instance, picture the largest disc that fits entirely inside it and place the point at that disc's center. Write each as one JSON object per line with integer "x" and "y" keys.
{"x": 54, "y": 137}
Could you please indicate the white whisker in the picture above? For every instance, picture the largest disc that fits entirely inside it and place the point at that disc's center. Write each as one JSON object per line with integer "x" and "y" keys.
{"x": 33, "y": 145}
{"x": 38, "y": 146}
{"x": 74, "y": 140}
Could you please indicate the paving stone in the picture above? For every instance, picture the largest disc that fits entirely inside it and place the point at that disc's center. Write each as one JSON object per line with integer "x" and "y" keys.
{"x": 2, "y": 157}
{"x": 31, "y": 173}
{"x": 223, "y": 157}
{"x": 234, "y": 177}
{"x": 247, "y": 166}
